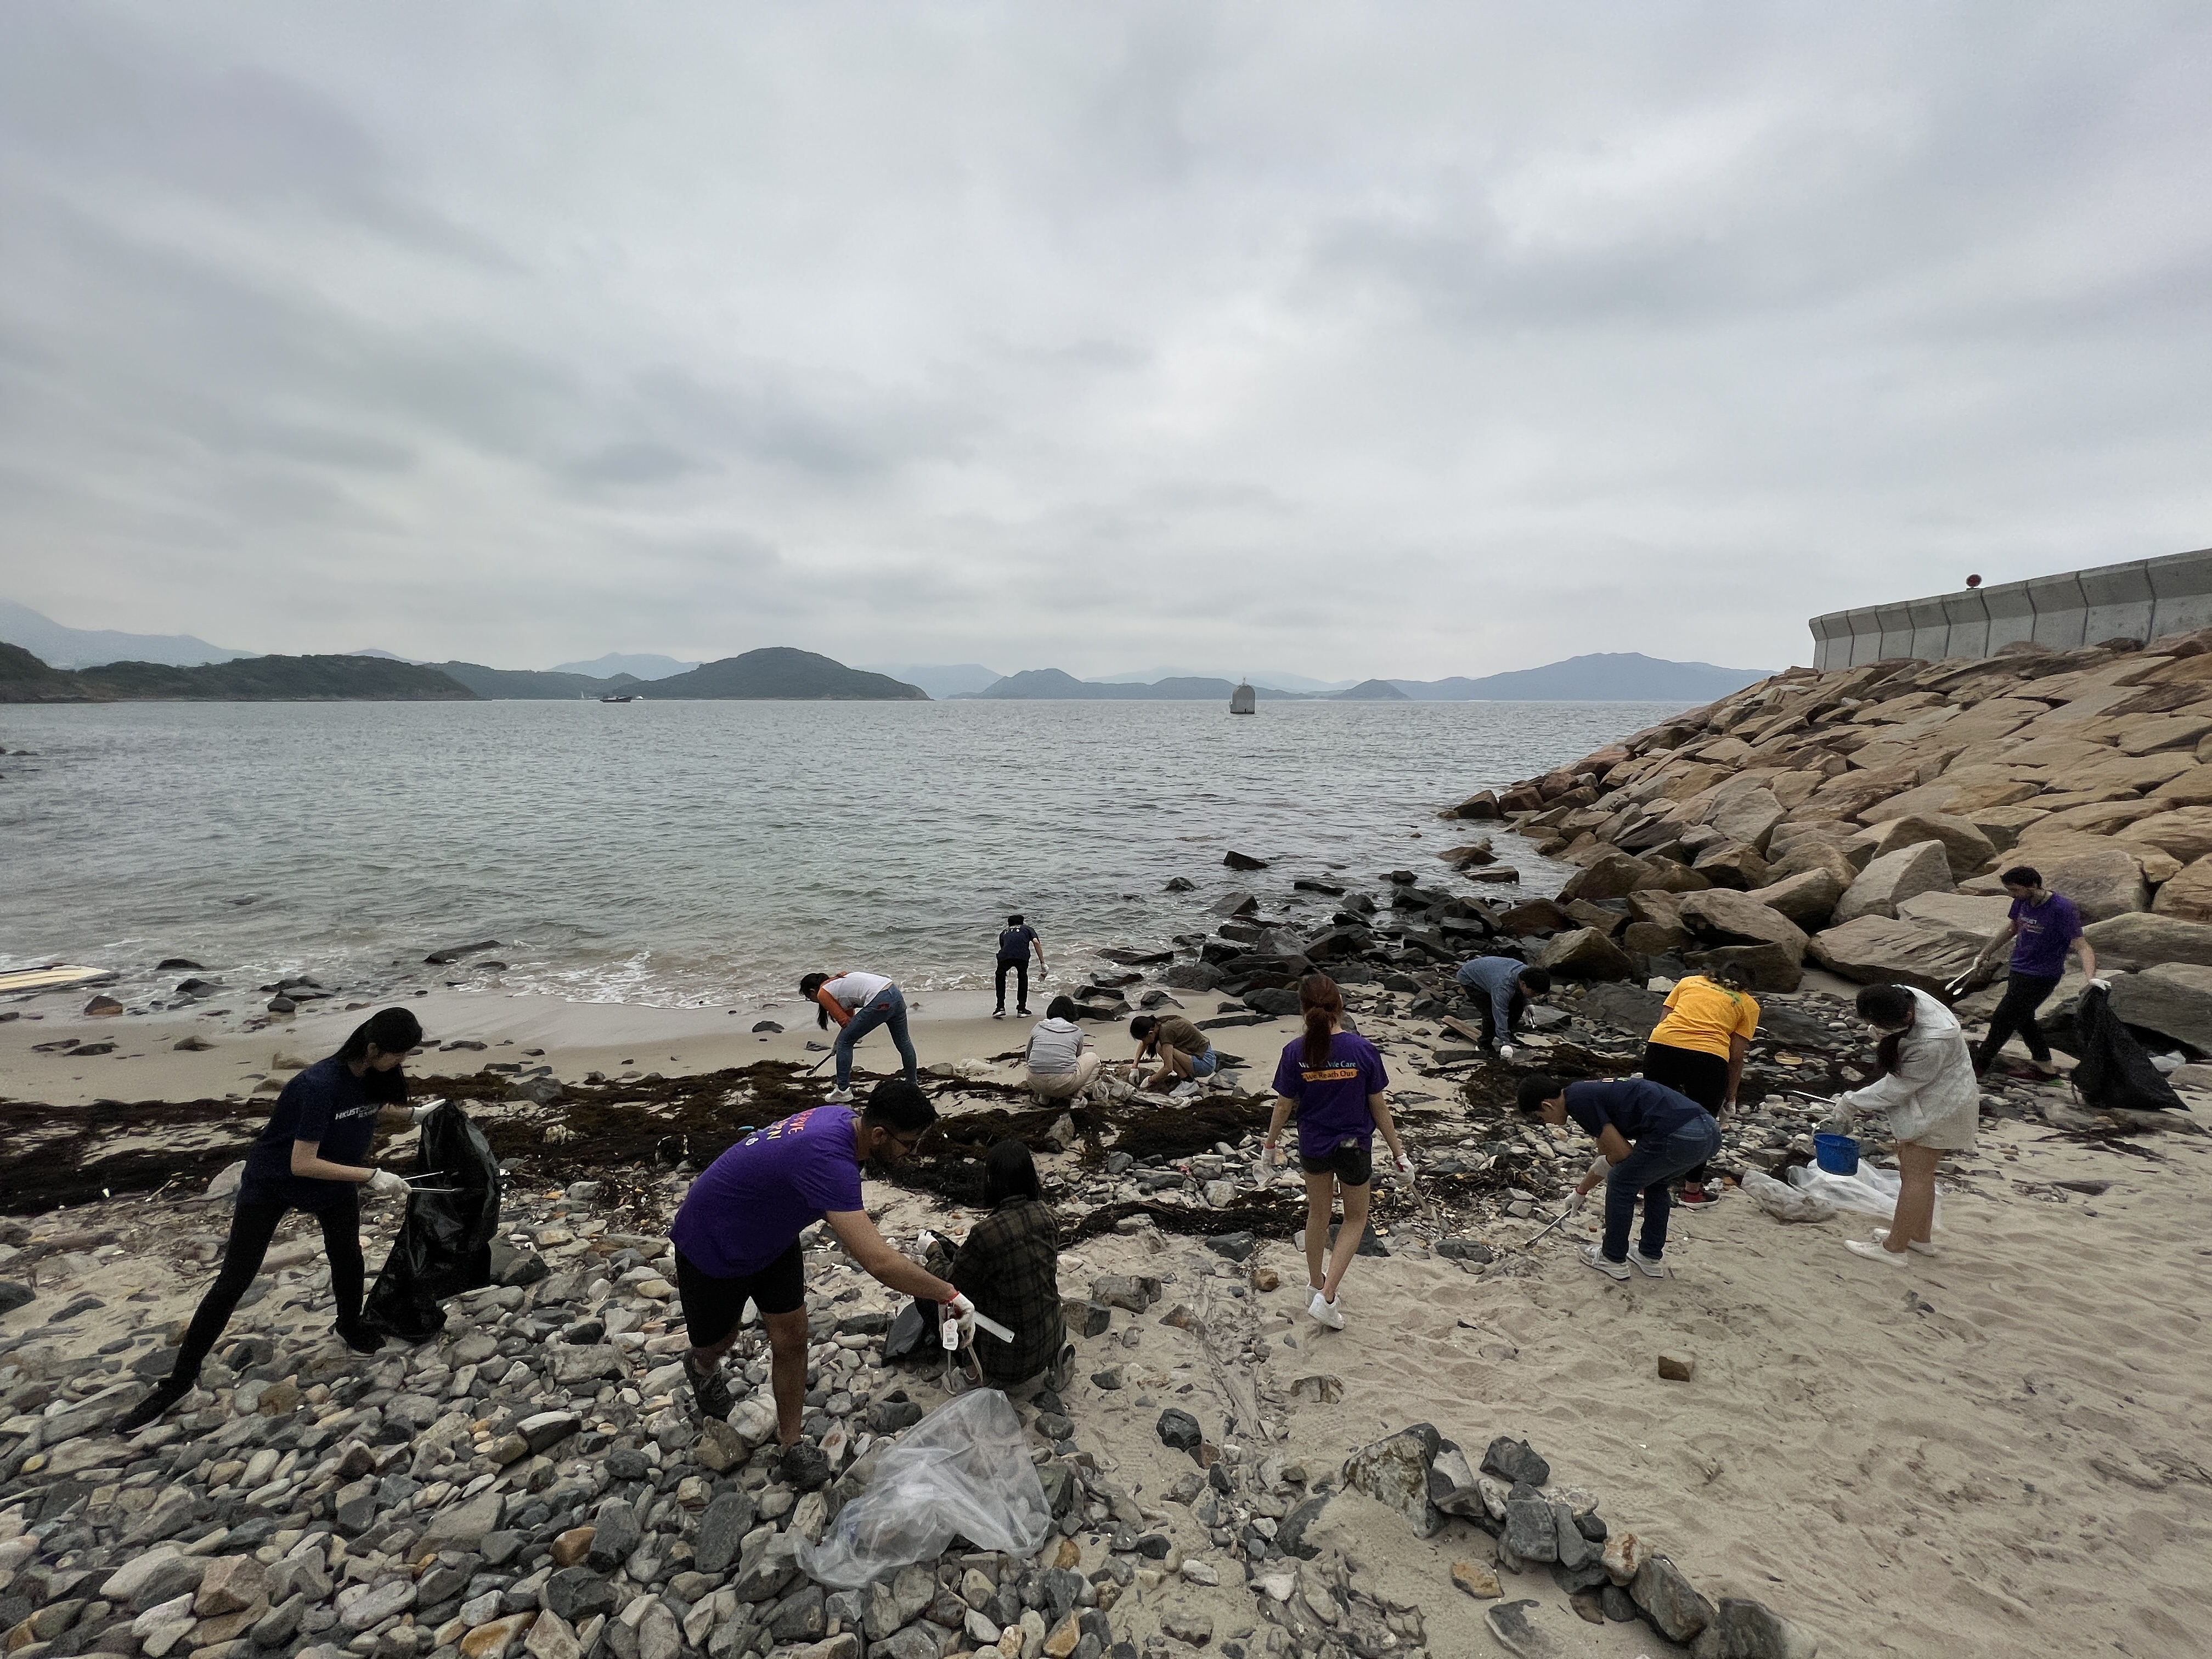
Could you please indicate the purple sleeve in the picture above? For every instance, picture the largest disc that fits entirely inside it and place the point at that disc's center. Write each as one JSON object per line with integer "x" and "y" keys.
{"x": 1370, "y": 1066}
{"x": 2070, "y": 921}
{"x": 1289, "y": 1076}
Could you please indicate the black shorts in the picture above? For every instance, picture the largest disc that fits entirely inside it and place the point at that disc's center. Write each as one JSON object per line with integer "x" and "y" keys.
{"x": 1351, "y": 1164}
{"x": 712, "y": 1307}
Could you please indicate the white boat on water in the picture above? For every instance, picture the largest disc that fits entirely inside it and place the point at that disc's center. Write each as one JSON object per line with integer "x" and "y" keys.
{"x": 1244, "y": 700}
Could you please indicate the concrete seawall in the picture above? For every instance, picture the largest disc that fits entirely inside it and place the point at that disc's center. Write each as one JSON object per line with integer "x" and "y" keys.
{"x": 2141, "y": 600}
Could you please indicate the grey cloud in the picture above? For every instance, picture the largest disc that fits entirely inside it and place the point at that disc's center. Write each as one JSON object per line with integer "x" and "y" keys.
{"x": 1440, "y": 341}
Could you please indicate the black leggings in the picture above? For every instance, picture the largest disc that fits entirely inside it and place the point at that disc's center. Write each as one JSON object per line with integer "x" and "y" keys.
{"x": 1021, "y": 972}
{"x": 252, "y": 1227}
{"x": 2024, "y": 994}
{"x": 1690, "y": 1072}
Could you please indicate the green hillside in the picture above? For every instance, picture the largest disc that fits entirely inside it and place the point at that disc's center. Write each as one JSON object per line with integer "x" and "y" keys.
{"x": 778, "y": 672}
{"x": 275, "y": 679}
{"x": 24, "y": 678}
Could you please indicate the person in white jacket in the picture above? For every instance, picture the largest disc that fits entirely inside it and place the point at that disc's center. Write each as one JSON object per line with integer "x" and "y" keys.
{"x": 1929, "y": 1094}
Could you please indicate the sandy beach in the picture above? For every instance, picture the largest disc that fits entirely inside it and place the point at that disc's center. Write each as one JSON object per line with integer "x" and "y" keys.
{"x": 1996, "y": 1452}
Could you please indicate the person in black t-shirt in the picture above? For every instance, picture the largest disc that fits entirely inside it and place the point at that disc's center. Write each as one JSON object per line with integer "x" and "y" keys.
{"x": 313, "y": 1156}
{"x": 1014, "y": 942}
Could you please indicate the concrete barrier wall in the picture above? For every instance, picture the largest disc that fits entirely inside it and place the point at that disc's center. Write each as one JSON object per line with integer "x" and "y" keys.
{"x": 2140, "y": 599}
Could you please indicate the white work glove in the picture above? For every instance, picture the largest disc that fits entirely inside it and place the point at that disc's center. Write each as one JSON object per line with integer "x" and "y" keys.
{"x": 418, "y": 1113}
{"x": 1274, "y": 1155}
{"x": 1505, "y": 1051}
{"x": 385, "y": 1184}
{"x": 2101, "y": 983}
{"x": 1599, "y": 1168}
{"x": 1575, "y": 1199}
{"x": 1406, "y": 1165}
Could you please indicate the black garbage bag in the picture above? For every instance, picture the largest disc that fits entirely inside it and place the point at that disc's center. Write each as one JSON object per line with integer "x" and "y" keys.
{"x": 2113, "y": 1073}
{"x": 444, "y": 1246}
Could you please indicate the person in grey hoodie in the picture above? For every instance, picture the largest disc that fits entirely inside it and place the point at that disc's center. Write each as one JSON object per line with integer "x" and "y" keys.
{"x": 1501, "y": 988}
{"x": 1060, "y": 1062}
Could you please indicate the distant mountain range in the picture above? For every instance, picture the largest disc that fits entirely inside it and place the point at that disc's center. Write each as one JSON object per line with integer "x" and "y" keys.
{"x": 1619, "y": 677}
{"x": 85, "y": 647}
{"x": 778, "y": 671}
{"x": 24, "y": 678}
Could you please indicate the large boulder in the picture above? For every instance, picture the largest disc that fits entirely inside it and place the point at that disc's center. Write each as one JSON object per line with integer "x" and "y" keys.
{"x": 1585, "y": 953}
{"x": 2005, "y": 825}
{"x": 1768, "y": 967}
{"x": 1893, "y": 950}
{"x": 2184, "y": 834}
{"x": 1894, "y": 877}
{"x": 2174, "y": 999}
{"x": 1732, "y": 864}
{"x": 1809, "y": 854}
{"x": 2125, "y": 944}
{"x": 1807, "y": 898}
{"x": 1614, "y": 876}
{"x": 1748, "y": 818}
{"x": 1727, "y": 917}
{"x": 2186, "y": 896}
{"x": 1970, "y": 915}
{"x": 1970, "y": 850}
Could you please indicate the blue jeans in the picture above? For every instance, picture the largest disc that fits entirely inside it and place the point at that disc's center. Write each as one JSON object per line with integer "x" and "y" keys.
{"x": 1650, "y": 1164}
{"x": 887, "y": 1008}
{"x": 1206, "y": 1065}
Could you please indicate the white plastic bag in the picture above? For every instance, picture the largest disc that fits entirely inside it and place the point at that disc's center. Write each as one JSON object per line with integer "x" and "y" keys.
{"x": 1870, "y": 1192}
{"x": 1782, "y": 1201}
{"x": 964, "y": 1469}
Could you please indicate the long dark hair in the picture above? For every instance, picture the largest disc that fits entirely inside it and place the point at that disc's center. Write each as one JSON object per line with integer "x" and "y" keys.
{"x": 1888, "y": 1004}
{"x": 1009, "y": 1172}
{"x": 807, "y": 987}
{"x": 390, "y": 1032}
{"x": 1319, "y": 1002}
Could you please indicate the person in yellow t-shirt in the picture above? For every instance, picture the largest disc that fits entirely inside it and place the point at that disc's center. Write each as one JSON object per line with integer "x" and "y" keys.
{"x": 1699, "y": 1048}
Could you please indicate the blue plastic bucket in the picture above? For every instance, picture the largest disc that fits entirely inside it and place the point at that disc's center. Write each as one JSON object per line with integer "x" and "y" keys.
{"x": 1836, "y": 1154}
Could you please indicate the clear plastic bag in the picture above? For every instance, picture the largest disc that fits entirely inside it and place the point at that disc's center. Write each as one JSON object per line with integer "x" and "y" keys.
{"x": 1782, "y": 1201}
{"x": 964, "y": 1469}
{"x": 1870, "y": 1192}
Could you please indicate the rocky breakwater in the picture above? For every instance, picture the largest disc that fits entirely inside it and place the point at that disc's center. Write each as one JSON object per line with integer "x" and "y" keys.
{"x": 1857, "y": 820}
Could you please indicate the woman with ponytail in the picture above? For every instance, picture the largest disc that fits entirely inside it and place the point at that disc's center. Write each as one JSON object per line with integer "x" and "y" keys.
{"x": 1334, "y": 1079}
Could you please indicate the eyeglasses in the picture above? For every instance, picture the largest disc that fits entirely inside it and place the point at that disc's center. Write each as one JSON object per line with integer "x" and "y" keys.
{"x": 906, "y": 1147}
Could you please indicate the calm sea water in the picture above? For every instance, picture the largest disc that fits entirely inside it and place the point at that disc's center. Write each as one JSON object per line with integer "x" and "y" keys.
{"x": 678, "y": 852}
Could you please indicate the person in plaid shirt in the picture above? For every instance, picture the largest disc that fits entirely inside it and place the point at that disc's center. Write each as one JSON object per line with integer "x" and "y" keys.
{"x": 1010, "y": 1269}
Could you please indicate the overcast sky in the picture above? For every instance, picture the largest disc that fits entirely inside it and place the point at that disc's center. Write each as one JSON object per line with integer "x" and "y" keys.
{"x": 1389, "y": 339}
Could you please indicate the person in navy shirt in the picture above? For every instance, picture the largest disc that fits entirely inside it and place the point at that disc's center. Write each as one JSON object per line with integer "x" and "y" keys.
{"x": 1334, "y": 1079}
{"x": 1647, "y": 1134}
{"x": 1017, "y": 939}
{"x": 2043, "y": 926}
{"x": 313, "y": 1156}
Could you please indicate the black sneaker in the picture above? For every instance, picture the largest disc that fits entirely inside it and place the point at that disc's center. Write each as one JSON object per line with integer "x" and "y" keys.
{"x": 166, "y": 1393}
{"x": 803, "y": 1467}
{"x": 358, "y": 1337}
{"x": 1023, "y": 1013}
{"x": 998, "y": 1013}
{"x": 711, "y": 1392}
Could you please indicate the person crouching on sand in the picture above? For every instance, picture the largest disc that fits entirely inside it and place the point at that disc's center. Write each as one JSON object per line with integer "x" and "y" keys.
{"x": 1927, "y": 1089}
{"x": 1060, "y": 1062}
{"x": 313, "y": 1157}
{"x": 858, "y": 1003}
{"x": 1184, "y": 1051}
{"x": 1647, "y": 1134}
{"x": 1334, "y": 1079}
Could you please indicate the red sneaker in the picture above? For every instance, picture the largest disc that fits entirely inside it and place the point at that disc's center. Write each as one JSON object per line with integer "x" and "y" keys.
{"x": 1697, "y": 1197}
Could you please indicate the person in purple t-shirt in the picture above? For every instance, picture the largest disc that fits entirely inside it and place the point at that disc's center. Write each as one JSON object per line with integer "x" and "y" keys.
{"x": 1335, "y": 1080}
{"x": 2044, "y": 927}
{"x": 737, "y": 1240}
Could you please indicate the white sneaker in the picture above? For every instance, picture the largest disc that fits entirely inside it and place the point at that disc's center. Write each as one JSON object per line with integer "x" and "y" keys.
{"x": 1595, "y": 1255}
{"x": 1325, "y": 1312}
{"x": 1887, "y": 1257}
{"x": 1649, "y": 1265}
{"x": 838, "y": 1097}
{"x": 1912, "y": 1244}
